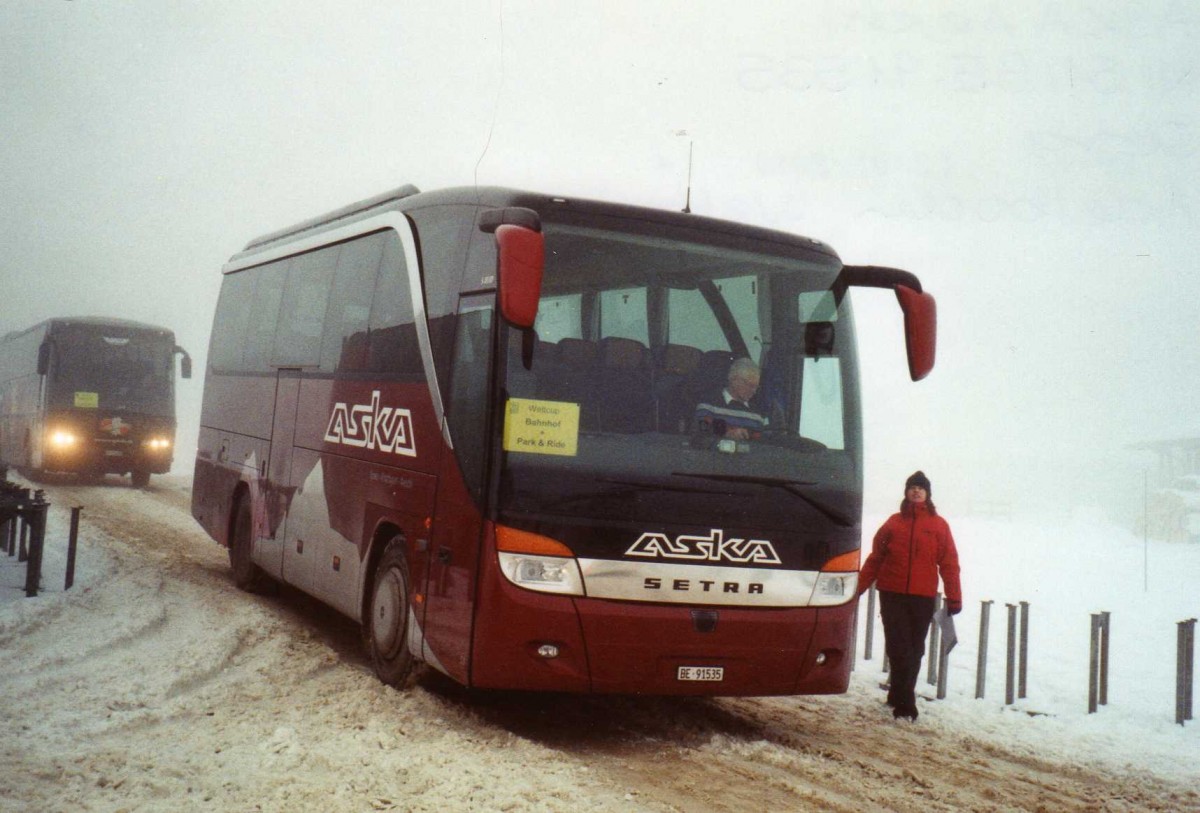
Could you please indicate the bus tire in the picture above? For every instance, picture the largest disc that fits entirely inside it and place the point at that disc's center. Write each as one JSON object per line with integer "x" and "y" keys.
{"x": 140, "y": 478}
{"x": 389, "y": 615}
{"x": 246, "y": 575}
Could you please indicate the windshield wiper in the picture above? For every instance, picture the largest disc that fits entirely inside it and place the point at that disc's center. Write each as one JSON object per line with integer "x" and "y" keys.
{"x": 629, "y": 490}
{"x": 794, "y": 487}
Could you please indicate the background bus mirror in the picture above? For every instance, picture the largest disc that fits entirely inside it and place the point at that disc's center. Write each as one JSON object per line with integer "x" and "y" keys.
{"x": 920, "y": 330}
{"x": 43, "y": 364}
{"x": 185, "y": 364}
{"x": 520, "y": 255}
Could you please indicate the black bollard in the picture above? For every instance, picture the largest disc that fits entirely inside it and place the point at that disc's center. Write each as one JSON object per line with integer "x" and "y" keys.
{"x": 72, "y": 544}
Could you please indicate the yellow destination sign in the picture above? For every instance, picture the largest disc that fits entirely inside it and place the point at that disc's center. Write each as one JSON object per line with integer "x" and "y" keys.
{"x": 87, "y": 400}
{"x": 541, "y": 427}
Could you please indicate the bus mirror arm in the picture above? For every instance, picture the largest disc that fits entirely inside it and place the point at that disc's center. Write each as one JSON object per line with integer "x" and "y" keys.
{"x": 43, "y": 362}
{"x": 919, "y": 307}
{"x": 520, "y": 258}
{"x": 185, "y": 364}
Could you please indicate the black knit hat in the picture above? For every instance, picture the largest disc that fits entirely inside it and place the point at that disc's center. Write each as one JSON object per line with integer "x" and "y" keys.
{"x": 918, "y": 478}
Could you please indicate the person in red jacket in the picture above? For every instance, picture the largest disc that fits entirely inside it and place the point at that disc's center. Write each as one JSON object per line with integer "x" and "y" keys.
{"x": 907, "y": 554}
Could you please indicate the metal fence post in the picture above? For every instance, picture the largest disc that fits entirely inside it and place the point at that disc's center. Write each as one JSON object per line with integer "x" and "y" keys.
{"x": 1190, "y": 672}
{"x": 985, "y": 610}
{"x": 1104, "y": 643}
{"x": 869, "y": 635}
{"x": 943, "y": 664}
{"x": 1185, "y": 653}
{"x": 23, "y": 536}
{"x": 1010, "y": 662}
{"x": 36, "y": 522}
{"x": 935, "y": 635}
{"x": 72, "y": 545}
{"x": 1024, "y": 667}
{"x": 1094, "y": 665}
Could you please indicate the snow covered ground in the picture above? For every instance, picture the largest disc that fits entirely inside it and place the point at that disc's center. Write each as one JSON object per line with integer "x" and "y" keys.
{"x": 155, "y": 685}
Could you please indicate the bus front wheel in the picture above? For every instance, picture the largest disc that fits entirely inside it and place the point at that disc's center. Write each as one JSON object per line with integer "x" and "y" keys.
{"x": 246, "y": 575}
{"x": 389, "y": 615}
{"x": 140, "y": 478}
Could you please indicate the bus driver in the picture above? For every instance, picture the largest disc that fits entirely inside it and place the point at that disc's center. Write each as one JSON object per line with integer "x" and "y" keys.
{"x": 728, "y": 413}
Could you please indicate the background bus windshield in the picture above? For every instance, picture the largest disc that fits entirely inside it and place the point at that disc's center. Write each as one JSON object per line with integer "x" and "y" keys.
{"x": 622, "y": 405}
{"x": 124, "y": 372}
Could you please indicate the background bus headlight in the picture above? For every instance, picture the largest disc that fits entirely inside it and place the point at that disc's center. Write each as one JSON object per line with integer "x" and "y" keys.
{"x": 62, "y": 439}
{"x": 158, "y": 444}
{"x": 548, "y": 574}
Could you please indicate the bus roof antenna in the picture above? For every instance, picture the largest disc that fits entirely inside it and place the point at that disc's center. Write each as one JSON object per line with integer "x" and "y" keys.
{"x": 687, "y": 203}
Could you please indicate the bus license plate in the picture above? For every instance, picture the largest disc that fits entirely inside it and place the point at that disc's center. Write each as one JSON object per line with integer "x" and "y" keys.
{"x": 714, "y": 673}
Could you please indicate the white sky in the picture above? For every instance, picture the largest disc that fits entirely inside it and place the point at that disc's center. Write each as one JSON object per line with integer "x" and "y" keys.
{"x": 1034, "y": 165}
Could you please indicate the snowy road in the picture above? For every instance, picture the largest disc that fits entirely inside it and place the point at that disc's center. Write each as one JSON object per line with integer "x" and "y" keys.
{"x": 155, "y": 685}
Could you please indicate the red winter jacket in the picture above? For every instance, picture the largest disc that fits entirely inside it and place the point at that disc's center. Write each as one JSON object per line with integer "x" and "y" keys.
{"x": 909, "y": 551}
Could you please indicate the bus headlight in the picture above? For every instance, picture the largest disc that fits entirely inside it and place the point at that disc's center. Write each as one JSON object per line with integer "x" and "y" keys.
{"x": 838, "y": 580}
{"x": 63, "y": 439}
{"x": 548, "y": 574}
{"x": 538, "y": 562}
{"x": 158, "y": 444}
{"x": 834, "y": 588}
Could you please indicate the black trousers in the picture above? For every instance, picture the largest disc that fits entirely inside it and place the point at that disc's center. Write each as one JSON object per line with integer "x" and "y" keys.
{"x": 905, "y": 624}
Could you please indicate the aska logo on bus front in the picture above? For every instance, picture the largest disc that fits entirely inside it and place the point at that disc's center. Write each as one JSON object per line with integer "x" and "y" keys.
{"x": 712, "y": 548}
{"x": 371, "y": 426}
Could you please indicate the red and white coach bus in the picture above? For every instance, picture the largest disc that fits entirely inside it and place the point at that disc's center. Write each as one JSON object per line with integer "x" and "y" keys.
{"x": 465, "y": 418}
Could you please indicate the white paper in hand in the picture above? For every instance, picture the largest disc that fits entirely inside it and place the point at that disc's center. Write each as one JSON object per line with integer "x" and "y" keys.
{"x": 945, "y": 622}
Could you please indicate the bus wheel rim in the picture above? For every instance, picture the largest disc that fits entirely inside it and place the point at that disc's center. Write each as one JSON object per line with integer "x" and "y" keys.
{"x": 387, "y": 610}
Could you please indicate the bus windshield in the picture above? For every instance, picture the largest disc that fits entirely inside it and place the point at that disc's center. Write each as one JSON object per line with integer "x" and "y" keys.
{"x": 128, "y": 372}
{"x": 665, "y": 366}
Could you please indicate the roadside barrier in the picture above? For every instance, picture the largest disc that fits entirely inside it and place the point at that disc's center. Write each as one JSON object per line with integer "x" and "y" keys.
{"x": 1013, "y": 664}
{"x": 23, "y": 514}
{"x": 1185, "y": 662}
{"x": 1017, "y": 656}
{"x": 23, "y": 526}
{"x": 1098, "y": 662}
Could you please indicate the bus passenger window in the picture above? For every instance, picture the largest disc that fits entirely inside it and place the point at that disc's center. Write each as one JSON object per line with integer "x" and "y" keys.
{"x": 260, "y": 335}
{"x": 393, "y": 345}
{"x": 232, "y": 321}
{"x": 344, "y": 347}
{"x": 302, "y": 312}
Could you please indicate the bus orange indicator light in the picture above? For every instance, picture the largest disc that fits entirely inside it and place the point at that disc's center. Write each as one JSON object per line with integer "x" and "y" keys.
{"x": 844, "y": 563}
{"x": 513, "y": 541}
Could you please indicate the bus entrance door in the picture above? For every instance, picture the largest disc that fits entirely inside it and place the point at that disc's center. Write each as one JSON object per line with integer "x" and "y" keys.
{"x": 295, "y": 568}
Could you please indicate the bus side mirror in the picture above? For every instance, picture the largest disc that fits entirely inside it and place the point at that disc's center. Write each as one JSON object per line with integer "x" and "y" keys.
{"x": 920, "y": 310}
{"x": 520, "y": 253}
{"x": 920, "y": 330}
{"x": 43, "y": 366}
{"x": 185, "y": 363}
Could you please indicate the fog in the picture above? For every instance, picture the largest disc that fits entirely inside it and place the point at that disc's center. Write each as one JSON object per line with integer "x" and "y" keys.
{"x": 1034, "y": 166}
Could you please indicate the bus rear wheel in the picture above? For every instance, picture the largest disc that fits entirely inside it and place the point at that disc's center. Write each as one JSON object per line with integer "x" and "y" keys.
{"x": 246, "y": 575}
{"x": 388, "y": 617}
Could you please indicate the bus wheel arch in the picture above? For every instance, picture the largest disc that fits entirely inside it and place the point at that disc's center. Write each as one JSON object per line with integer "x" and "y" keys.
{"x": 246, "y": 574}
{"x": 387, "y": 612}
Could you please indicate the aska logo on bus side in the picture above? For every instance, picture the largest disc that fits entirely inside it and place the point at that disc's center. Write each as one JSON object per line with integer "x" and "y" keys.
{"x": 712, "y": 548}
{"x": 371, "y": 426}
